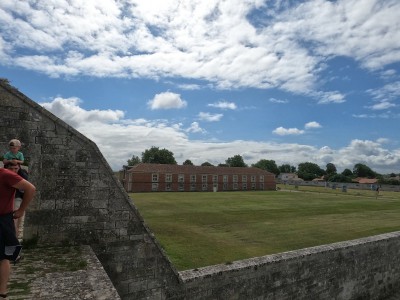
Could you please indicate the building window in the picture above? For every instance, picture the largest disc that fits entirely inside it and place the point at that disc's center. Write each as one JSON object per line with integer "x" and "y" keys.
{"x": 225, "y": 186}
{"x": 261, "y": 178}
{"x": 192, "y": 187}
{"x": 204, "y": 178}
{"x": 154, "y": 187}
{"x": 253, "y": 178}
{"x": 192, "y": 178}
{"x": 215, "y": 178}
{"x": 261, "y": 186}
{"x": 215, "y": 187}
{"x": 154, "y": 177}
{"x": 204, "y": 187}
{"x": 168, "y": 177}
{"x": 253, "y": 185}
{"x": 235, "y": 178}
{"x": 181, "y": 178}
{"x": 244, "y": 186}
{"x": 225, "y": 178}
{"x": 168, "y": 186}
{"x": 235, "y": 186}
{"x": 181, "y": 187}
{"x": 244, "y": 178}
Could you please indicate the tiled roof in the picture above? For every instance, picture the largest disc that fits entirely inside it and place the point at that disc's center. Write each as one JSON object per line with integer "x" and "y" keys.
{"x": 187, "y": 169}
{"x": 365, "y": 180}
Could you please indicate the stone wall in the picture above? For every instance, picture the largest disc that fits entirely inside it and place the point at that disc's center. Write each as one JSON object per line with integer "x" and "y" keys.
{"x": 366, "y": 268}
{"x": 80, "y": 201}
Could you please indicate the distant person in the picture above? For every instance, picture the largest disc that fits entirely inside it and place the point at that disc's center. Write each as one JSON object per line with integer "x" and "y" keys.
{"x": 19, "y": 194}
{"x": 14, "y": 156}
{"x": 377, "y": 190}
{"x": 9, "y": 244}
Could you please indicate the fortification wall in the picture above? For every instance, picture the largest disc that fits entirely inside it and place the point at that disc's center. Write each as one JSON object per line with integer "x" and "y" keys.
{"x": 365, "y": 268}
{"x": 79, "y": 200}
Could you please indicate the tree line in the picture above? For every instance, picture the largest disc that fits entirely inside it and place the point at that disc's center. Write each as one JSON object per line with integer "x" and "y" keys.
{"x": 306, "y": 170}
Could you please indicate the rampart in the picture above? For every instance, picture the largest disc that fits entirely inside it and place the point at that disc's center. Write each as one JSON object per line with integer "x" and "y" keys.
{"x": 80, "y": 201}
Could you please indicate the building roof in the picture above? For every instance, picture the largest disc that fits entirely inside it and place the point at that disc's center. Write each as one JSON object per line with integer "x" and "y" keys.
{"x": 365, "y": 180}
{"x": 188, "y": 169}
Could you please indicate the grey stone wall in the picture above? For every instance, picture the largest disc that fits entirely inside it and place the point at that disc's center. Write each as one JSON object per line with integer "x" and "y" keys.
{"x": 366, "y": 268}
{"x": 80, "y": 201}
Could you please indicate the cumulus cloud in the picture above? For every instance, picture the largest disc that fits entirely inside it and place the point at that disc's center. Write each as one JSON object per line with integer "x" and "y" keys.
{"x": 312, "y": 124}
{"x": 223, "y": 105}
{"x": 204, "y": 40}
{"x": 167, "y": 100}
{"x": 287, "y": 131}
{"x": 382, "y": 105}
{"x": 205, "y": 116}
{"x": 195, "y": 128}
{"x": 103, "y": 126}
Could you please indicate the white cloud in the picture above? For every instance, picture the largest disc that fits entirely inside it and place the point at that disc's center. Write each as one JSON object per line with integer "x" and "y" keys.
{"x": 167, "y": 100}
{"x": 223, "y": 105}
{"x": 280, "y": 101}
{"x": 311, "y": 125}
{"x": 69, "y": 110}
{"x": 382, "y": 105}
{"x": 287, "y": 131}
{"x": 195, "y": 128}
{"x": 204, "y": 116}
{"x": 140, "y": 134}
{"x": 205, "y": 40}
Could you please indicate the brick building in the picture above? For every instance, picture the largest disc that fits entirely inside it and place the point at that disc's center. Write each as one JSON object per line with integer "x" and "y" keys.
{"x": 162, "y": 178}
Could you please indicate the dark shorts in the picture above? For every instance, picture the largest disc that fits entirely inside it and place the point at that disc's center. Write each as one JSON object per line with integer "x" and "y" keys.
{"x": 9, "y": 244}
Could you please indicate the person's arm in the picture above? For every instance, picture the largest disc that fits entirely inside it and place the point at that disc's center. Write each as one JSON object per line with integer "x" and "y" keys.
{"x": 29, "y": 193}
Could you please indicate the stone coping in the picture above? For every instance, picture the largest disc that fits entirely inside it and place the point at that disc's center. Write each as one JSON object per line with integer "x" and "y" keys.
{"x": 69, "y": 272}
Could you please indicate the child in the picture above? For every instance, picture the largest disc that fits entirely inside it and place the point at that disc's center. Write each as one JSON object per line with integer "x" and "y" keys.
{"x": 14, "y": 156}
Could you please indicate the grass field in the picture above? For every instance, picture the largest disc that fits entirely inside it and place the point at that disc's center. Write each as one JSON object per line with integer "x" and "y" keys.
{"x": 200, "y": 229}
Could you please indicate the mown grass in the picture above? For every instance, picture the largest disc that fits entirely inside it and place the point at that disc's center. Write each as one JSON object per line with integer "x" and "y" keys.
{"x": 200, "y": 229}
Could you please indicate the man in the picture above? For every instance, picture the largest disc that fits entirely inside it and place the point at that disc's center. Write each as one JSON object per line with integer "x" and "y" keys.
{"x": 9, "y": 182}
{"x": 19, "y": 194}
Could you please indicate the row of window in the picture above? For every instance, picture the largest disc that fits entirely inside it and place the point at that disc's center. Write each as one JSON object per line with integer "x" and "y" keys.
{"x": 204, "y": 186}
{"x": 204, "y": 178}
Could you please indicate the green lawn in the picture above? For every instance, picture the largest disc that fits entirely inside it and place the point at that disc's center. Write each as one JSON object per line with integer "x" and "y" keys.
{"x": 200, "y": 229}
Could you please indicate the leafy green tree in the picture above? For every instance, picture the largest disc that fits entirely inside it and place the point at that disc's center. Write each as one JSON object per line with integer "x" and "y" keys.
{"x": 268, "y": 165}
{"x": 187, "y": 162}
{"x": 134, "y": 161}
{"x": 339, "y": 178}
{"x": 154, "y": 155}
{"x": 207, "y": 164}
{"x": 223, "y": 165}
{"x": 286, "y": 168}
{"x": 235, "y": 161}
{"x": 309, "y": 171}
{"x": 330, "y": 169}
{"x": 361, "y": 170}
{"x": 347, "y": 172}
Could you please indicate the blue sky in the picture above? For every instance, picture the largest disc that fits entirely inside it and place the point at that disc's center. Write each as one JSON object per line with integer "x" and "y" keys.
{"x": 292, "y": 81}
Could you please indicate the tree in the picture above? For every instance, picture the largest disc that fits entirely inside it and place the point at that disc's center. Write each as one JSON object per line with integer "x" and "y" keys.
{"x": 154, "y": 155}
{"x": 187, "y": 162}
{"x": 286, "y": 168}
{"x": 207, "y": 164}
{"x": 235, "y": 161}
{"x": 339, "y": 178}
{"x": 223, "y": 165}
{"x": 133, "y": 161}
{"x": 268, "y": 165}
{"x": 361, "y": 170}
{"x": 347, "y": 172}
{"x": 330, "y": 169}
{"x": 309, "y": 171}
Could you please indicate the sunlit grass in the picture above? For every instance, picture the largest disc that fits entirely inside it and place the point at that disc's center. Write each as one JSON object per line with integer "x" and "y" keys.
{"x": 200, "y": 229}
